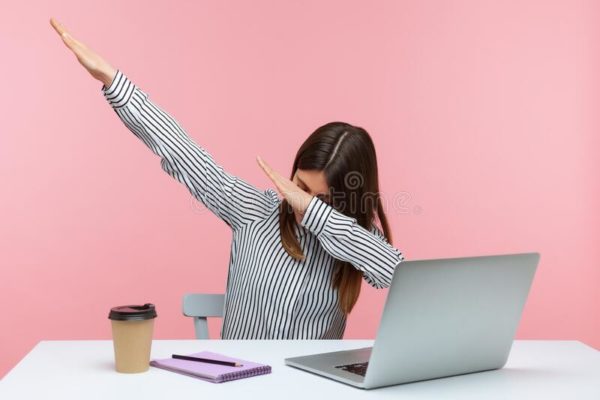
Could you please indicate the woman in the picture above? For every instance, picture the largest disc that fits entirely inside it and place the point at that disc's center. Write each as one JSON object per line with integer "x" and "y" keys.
{"x": 296, "y": 264}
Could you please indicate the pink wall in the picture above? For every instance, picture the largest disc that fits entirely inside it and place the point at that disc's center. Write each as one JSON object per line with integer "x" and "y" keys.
{"x": 483, "y": 112}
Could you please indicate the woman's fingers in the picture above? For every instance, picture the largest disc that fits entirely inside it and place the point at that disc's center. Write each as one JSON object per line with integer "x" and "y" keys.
{"x": 284, "y": 185}
{"x": 60, "y": 29}
{"x": 69, "y": 40}
{"x": 266, "y": 168}
{"x": 297, "y": 197}
{"x": 57, "y": 26}
{"x": 271, "y": 174}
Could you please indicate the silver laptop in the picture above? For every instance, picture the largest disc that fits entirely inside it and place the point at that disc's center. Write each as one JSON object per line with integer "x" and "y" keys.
{"x": 442, "y": 317}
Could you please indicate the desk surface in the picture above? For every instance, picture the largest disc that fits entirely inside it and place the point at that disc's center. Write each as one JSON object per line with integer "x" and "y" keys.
{"x": 84, "y": 369}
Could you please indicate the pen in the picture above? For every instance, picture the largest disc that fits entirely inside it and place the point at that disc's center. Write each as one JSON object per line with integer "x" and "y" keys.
{"x": 207, "y": 360}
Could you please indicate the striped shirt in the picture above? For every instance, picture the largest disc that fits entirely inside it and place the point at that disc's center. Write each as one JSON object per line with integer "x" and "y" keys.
{"x": 269, "y": 294}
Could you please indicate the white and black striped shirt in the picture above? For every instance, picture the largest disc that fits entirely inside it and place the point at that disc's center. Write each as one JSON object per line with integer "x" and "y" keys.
{"x": 269, "y": 295}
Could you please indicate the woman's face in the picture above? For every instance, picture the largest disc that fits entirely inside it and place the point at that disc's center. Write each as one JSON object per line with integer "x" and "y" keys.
{"x": 312, "y": 182}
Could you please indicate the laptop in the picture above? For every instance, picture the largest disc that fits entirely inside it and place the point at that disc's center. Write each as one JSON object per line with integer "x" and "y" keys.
{"x": 442, "y": 317}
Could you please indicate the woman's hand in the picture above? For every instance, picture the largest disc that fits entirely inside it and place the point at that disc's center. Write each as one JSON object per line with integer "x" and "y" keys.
{"x": 96, "y": 65}
{"x": 298, "y": 198}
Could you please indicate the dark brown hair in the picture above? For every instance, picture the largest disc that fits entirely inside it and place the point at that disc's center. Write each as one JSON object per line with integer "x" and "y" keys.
{"x": 346, "y": 155}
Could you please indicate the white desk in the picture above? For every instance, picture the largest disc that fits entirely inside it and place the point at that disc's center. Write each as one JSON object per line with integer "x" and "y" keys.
{"x": 84, "y": 369}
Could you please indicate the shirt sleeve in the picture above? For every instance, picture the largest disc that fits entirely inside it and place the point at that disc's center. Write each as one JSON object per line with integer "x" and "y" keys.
{"x": 230, "y": 198}
{"x": 343, "y": 238}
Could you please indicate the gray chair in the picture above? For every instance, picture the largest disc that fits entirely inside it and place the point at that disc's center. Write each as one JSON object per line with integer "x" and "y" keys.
{"x": 200, "y": 306}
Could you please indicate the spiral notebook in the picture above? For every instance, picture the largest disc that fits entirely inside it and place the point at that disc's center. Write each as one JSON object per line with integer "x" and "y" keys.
{"x": 212, "y": 372}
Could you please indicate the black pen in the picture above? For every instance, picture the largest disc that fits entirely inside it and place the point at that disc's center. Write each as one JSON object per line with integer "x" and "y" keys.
{"x": 207, "y": 360}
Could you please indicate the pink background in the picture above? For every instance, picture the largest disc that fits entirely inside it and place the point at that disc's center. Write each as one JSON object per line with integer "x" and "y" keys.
{"x": 484, "y": 115}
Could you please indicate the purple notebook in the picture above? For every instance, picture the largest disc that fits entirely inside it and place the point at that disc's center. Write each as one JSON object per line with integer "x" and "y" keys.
{"x": 212, "y": 372}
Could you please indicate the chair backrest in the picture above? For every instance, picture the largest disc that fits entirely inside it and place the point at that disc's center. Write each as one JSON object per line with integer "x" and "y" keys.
{"x": 200, "y": 306}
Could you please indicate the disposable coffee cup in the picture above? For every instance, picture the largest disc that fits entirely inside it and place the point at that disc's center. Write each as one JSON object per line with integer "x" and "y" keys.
{"x": 132, "y": 328}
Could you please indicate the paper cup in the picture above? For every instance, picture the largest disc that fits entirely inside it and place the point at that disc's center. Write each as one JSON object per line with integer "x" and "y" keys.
{"x": 132, "y": 329}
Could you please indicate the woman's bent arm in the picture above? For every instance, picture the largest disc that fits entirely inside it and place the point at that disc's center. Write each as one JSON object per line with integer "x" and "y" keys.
{"x": 343, "y": 238}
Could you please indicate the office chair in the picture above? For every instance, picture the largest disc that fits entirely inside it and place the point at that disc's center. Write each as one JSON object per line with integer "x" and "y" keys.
{"x": 200, "y": 306}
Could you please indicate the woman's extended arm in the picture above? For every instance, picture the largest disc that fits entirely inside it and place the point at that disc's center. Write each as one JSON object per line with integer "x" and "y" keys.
{"x": 229, "y": 197}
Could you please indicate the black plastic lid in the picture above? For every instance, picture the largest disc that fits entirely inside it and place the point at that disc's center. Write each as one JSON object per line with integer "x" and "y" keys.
{"x": 132, "y": 312}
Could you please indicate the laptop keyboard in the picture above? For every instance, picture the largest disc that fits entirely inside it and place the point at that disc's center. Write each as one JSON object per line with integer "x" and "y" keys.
{"x": 358, "y": 368}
